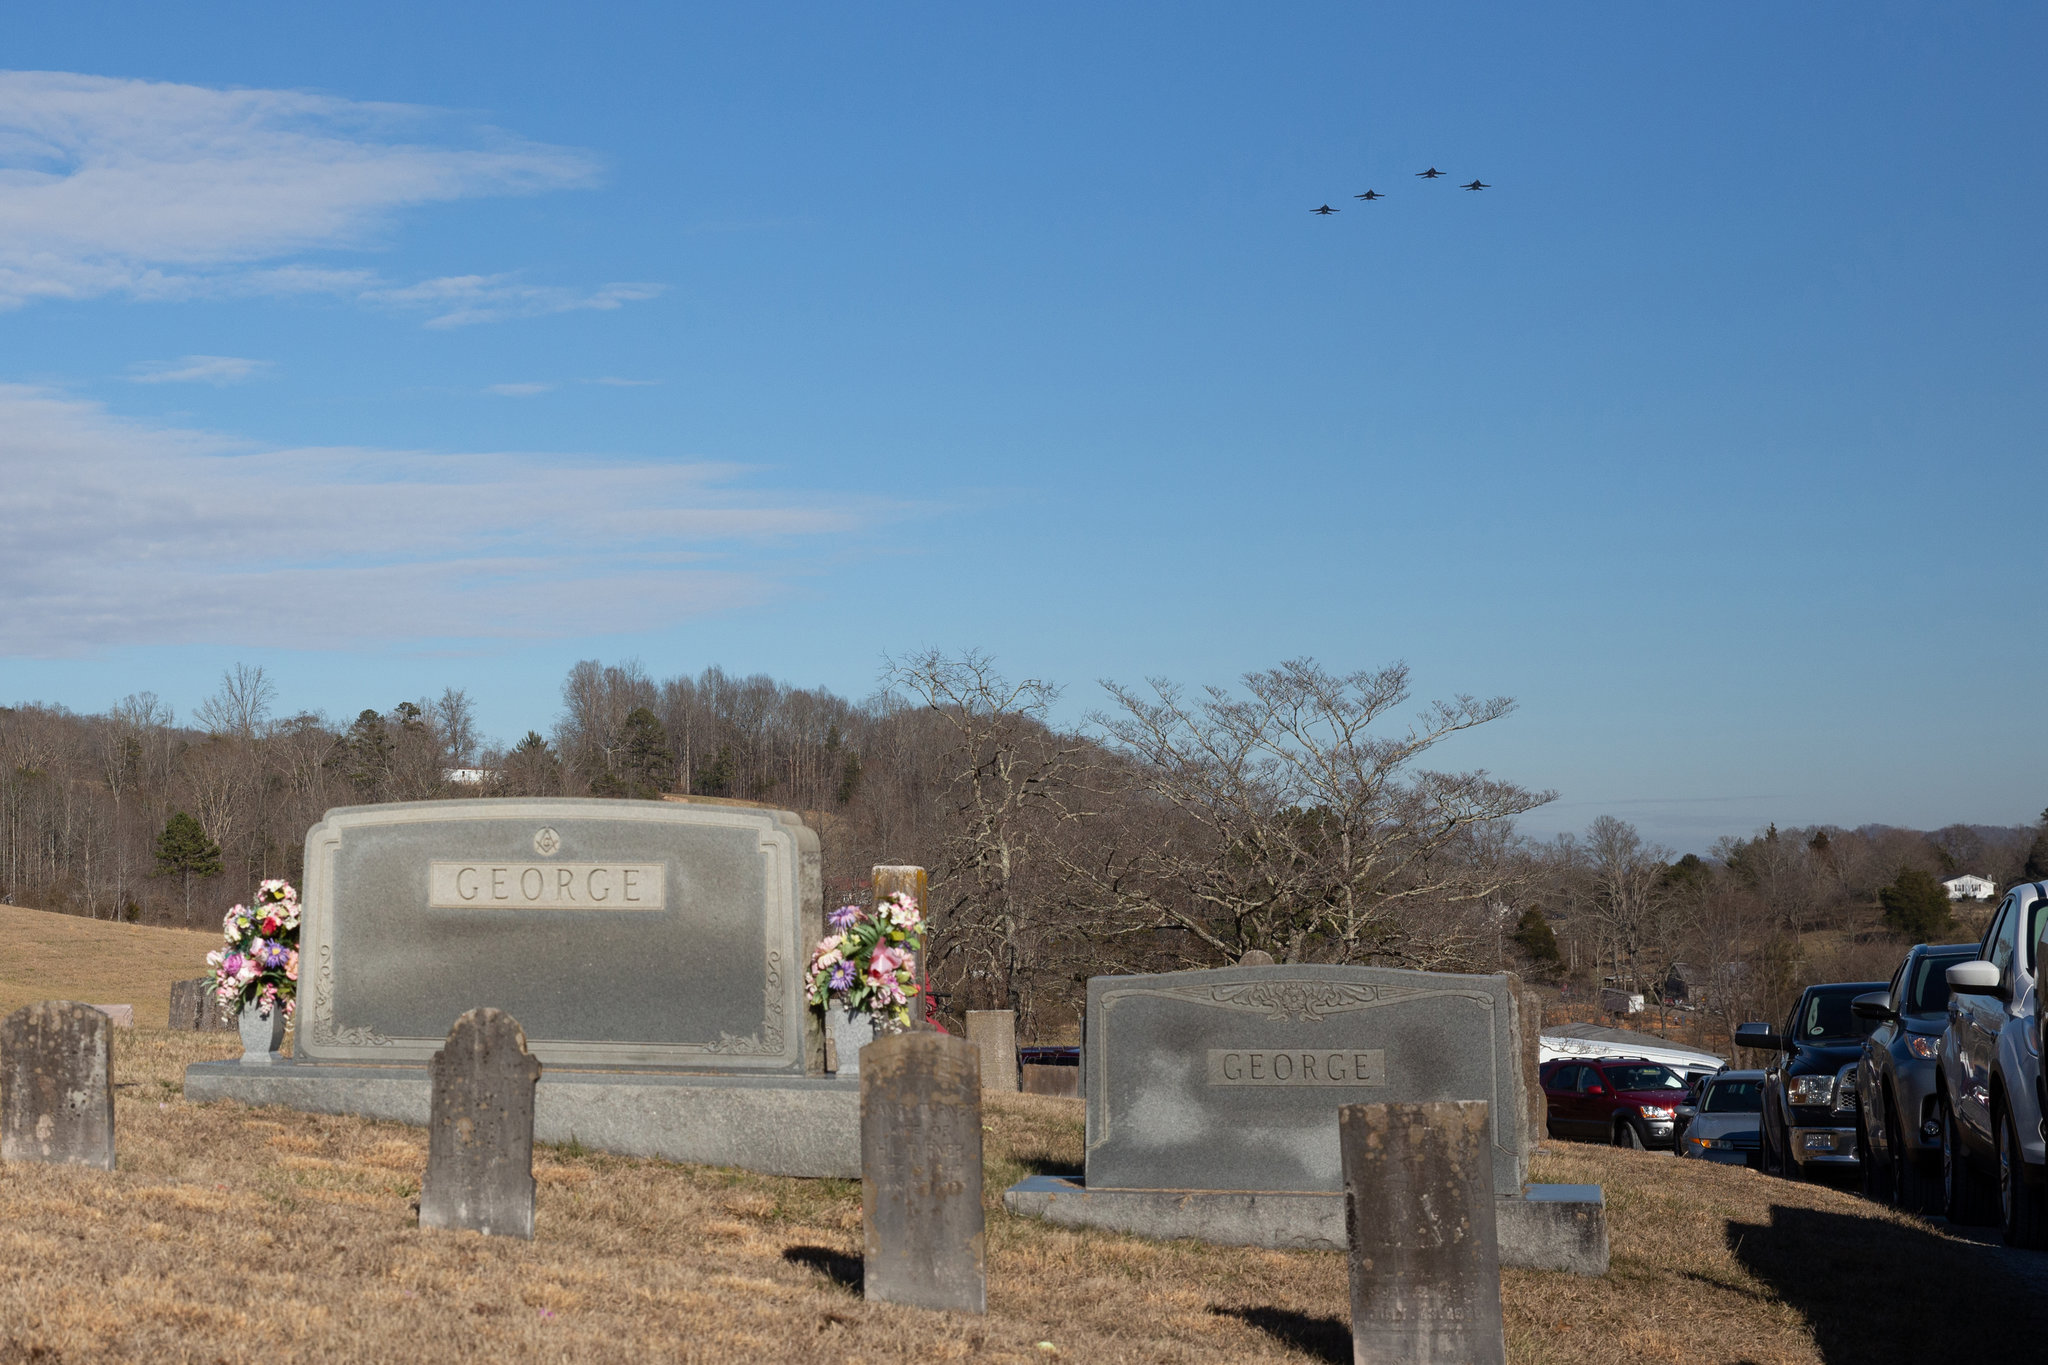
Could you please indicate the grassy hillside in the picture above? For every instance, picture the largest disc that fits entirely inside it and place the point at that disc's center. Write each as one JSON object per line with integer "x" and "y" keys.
{"x": 237, "y": 1235}
{"x": 47, "y": 956}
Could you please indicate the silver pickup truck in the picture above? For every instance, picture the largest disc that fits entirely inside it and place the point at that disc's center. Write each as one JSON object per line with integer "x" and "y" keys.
{"x": 1989, "y": 1086}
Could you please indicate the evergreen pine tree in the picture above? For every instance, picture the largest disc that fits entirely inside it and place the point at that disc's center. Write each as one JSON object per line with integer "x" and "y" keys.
{"x": 1916, "y": 906}
{"x": 1534, "y": 936}
{"x": 184, "y": 848}
{"x": 2036, "y": 868}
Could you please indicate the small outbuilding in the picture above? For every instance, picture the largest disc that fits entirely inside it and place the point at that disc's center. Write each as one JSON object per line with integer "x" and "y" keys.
{"x": 1970, "y": 887}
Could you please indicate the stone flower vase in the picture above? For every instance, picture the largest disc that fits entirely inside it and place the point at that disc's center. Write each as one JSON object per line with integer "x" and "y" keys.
{"x": 261, "y": 1037}
{"x": 850, "y": 1031}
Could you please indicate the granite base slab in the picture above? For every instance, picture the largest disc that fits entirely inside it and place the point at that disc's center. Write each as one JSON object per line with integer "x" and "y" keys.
{"x": 1550, "y": 1227}
{"x": 777, "y": 1125}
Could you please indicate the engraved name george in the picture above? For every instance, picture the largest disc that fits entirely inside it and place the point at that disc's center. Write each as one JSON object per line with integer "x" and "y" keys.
{"x": 1297, "y": 1066}
{"x": 546, "y": 886}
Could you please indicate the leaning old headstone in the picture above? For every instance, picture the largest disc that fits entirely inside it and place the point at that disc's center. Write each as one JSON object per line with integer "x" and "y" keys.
{"x": 480, "y": 1139}
{"x": 56, "y": 1085}
{"x": 994, "y": 1032}
{"x": 1419, "y": 1206}
{"x": 920, "y": 1149}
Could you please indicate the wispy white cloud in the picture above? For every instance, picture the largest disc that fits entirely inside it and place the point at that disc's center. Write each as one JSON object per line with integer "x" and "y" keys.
{"x": 160, "y": 191}
{"x": 518, "y": 390}
{"x": 199, "y": 369}
{"x": 462, "y": 299}
{"x": 614, "y": 382}
{"x": 126, "y": 532}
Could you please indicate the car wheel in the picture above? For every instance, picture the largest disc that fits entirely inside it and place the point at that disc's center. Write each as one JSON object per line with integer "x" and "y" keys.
{"x": 1910, "y": 1185}
{"x": 1625, "y": 1135}
{"x": 1874, "y": 1167}
{"x": 2020, "y": 1213}
{"x": 1964, "y": 1200}
{"x": 1767, "y": 1154}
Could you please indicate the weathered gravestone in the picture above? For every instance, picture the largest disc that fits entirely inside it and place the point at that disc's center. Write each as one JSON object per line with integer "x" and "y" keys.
{"x": 1213, "y": 1096}
{"x": 653, "y": 951}
{"x": 56, "y": 1085}
{"x": 994, "y": 1034}
{"x": 920, "y": 1147}
{"x": 480, "y": 1139}
{"x": 1419, "y": 1211}
{"x": 195, "y": 1007}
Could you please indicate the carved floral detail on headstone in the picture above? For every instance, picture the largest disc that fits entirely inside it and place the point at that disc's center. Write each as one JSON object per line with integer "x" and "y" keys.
{"x": 325, "y": 1030}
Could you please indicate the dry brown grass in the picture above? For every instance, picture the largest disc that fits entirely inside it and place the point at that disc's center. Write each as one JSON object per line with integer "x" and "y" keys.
{"x": 47, "y": 956}
{"x": 230, "y": 1234}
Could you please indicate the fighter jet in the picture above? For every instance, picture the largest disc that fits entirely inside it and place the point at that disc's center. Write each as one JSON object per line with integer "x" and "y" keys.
{"x": 1369, "y": 195}
{"x": 1326, "y": 209}
{"x": 1476, "y": 185}
{"x": 1430, "y": 174}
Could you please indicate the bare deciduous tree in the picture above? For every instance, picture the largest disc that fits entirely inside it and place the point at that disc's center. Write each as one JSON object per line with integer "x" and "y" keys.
{"x": 1305, "y": 831}
{"x": 240, "y": 705}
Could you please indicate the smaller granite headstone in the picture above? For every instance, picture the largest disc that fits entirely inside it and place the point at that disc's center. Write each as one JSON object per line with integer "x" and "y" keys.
{"x": 1419, "y": 1213}
{"x": 194, "y": 1007}
{"x": 480, "y": 1137}
{"x": 122, "y": 1015}
{"x": 994, "y": 1032}
{"x": 57, "y": 1102}
{"x": 1256, "y": 957}
{"x": 920, "y": 1149}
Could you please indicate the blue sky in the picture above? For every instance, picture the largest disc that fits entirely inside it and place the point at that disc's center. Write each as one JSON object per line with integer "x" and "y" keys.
{"x": 396, "y": 347}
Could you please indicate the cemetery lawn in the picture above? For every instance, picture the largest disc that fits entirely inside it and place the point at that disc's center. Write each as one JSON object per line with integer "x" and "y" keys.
{"x": 48, "y": 956}
{"x": 231, "y": 1234}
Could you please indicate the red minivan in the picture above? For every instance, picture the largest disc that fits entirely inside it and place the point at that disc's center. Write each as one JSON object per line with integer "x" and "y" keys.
{"x": 1628, "y": 1101}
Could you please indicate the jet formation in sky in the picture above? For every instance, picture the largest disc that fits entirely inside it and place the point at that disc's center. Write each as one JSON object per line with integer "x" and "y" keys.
{"x": 1431, "y": 174}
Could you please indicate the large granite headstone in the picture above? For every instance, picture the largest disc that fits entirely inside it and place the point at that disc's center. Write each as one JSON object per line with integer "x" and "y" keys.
{"x": 1231, "y": 1079}
{"x": 480, "y": 1139}
{"x": 920, "y": 1156}
{"x": 56, "y": 1085}
{"x": 620, "y": 933}
{"x": 1419, "y": 1210}
{"x": 653, "y": 951}
{"x": 994, "y": 1032}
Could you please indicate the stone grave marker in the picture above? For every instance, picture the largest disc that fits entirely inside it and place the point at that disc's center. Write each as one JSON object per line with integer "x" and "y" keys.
{"x": 619, "y": 933}
{"x": 920, "y": 1147}
{"x": 994, "y": 1032}
{"x": 194, "y": 1006}
{"x": 56, "y": 1085}
{"x": 652, "y": 951}
{"x": 480, "y": 1139}
{"x": 1419, "y": 1210}
{"x": 1231, "y": 1079}
{"x": 122, "y": 1015}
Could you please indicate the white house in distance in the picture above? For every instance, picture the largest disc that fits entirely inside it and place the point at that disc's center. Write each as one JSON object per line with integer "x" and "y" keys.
{"x": 1970, "y": 887}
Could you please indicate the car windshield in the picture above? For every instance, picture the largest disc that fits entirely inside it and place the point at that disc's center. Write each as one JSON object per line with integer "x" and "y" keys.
{"x": 1644, "y": 1078}
{"x": 1733, "y": 1097}
{"x": 1927, "y": 992}
{"x": 1827, "y": 1015}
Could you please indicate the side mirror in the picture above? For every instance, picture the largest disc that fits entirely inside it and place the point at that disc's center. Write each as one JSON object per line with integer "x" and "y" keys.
{"x": 1596, "y": 1089}
{"x": 1760, "y": 1036}
{"x": 1976, "y": 978}
{"x": 1875, "y": 1007}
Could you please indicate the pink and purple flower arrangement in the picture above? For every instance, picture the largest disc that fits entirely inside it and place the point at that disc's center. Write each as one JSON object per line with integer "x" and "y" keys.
{"x": 259, "y": 965}
{"x": 868, "y": 962}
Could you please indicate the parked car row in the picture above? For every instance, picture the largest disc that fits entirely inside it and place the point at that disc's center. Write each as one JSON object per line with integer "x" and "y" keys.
{"x": 1929, "y": 1085}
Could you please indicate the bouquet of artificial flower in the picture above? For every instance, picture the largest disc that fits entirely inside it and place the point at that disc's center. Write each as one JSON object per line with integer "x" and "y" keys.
{"x": 260, "y": 964}
{"x": 868, "y": 961}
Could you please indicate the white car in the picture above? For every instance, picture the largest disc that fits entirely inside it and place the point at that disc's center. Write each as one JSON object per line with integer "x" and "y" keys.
{"x": 1989, "y": 1086}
